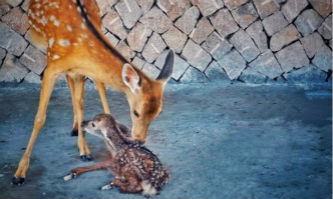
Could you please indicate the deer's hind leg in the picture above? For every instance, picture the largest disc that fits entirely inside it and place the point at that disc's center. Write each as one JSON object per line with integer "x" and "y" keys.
{"x": 130, "y": 185}
{"x": 70, "y": 82}
{"x": 102, "y": 94}
{"x": 129, "y": 182}
{"x": 47, "y": 87}
{"x": 78, "y": 107}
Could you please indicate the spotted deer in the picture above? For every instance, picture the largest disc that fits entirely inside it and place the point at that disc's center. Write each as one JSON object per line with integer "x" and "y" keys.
{"x": 71, "y": 32}
{"x": 135, "y": 167}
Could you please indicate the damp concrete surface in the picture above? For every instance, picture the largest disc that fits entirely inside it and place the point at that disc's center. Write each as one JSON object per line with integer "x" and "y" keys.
{"x": 217, "y": 140}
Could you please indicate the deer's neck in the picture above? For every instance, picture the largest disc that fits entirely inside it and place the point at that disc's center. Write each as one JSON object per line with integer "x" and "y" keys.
{"x": 115, "y": 142}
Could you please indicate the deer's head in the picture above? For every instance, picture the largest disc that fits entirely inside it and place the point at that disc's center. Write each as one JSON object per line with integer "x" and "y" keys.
{"x": 145, "y": 96}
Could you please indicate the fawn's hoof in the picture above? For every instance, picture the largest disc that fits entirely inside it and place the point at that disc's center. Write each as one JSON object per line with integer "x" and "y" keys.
{"x": 18, "y": 180}
{"x": 86, "y": 158}
{"x": 70, "y": 176}
{"x": 108, "y": 186}
{"x": 74, "y": 132}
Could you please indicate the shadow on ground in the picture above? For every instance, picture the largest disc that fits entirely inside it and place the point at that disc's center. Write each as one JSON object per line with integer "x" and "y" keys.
{"x": 219, "y": 141}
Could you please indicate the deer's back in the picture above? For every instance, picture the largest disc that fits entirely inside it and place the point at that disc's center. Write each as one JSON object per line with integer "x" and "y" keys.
{"x": 62, "y": 25}
{"x": 147, "y": 165}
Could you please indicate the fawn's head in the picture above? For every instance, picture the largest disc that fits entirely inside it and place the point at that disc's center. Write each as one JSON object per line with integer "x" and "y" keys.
{"x": 99, "y": 125}
{"x": 106, "y": 127}
{"x": 145, "y": 96}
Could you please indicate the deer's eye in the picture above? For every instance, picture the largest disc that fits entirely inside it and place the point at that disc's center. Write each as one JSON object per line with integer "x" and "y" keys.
{"x": 136, "y": 114}
{"x": 92, "y": 124}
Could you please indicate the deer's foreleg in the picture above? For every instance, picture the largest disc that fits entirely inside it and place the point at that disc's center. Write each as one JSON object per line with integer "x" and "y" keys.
{"x": 70, "y": 82}
{"x": 102, "y": 94}
{"x": 79, "y": 103}
{"x": 45, "y": 93}
{"x": 80, "y": 170}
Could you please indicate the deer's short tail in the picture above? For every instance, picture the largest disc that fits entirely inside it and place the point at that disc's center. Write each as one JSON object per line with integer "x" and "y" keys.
{"x": 148, "y": 189}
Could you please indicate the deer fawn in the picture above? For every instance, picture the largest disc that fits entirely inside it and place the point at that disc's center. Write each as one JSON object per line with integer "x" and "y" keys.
{"x": 136, "y": 168}
{"x": 76, "y": 46}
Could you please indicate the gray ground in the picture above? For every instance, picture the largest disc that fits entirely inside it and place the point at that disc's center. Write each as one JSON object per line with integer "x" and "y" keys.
{"x": 219, "y": 141}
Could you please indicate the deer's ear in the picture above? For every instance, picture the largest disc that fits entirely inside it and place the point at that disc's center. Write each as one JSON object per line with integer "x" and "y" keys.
{"x": 131, "y": 78}
{"x": 167, "y": 68}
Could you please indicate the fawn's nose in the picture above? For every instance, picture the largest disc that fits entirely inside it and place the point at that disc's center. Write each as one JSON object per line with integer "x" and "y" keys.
{"x": 84, "y": 124}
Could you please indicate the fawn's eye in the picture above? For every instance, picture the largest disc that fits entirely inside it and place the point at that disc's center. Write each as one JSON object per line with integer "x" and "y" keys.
{"x": 92, "y": 124}
{"x": 136, "y": 113}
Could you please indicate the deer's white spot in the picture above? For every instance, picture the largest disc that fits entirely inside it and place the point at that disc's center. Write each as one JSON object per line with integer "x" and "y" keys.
{"x": 69, "y": 28}
{"x": 37, "y": 5}
{"x": 55, "y": 57}
{"x": 37, "y": 29}
{"x": 83, "y": 26}
{"x": 91, "y": 43}
{"x": 56, "y": 23}
{"x": 32, "y": 15}
{"x": 51, "y": 42}
{"x": 84, "y": 36}
{"x": 54, "y": 4}
{"x": 43, "y": 20}
{"x": 64, "y": 42}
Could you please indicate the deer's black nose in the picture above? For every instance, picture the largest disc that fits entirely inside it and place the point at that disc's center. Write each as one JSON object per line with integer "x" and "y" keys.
{"x": 84, "y": 123}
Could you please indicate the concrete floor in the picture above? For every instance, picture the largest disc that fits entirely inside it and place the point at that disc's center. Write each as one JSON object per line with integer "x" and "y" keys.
{"x": 219, "y": 141}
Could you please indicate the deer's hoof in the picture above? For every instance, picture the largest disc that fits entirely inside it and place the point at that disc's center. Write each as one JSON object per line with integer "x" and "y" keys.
{"x": 18, "y": 181}
{"x": 70, "y": 176}
{"x": 86, "y": 158}
{"x": 74, "y": 132}
{"x": 108, "y": 186}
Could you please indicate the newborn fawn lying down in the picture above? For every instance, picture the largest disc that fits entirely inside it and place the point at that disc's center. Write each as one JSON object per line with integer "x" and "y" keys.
{"x": 136, "y": 168}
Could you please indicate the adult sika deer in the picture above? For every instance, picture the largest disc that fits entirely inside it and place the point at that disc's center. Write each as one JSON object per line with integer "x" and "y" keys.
{"x": 71, "y": 32}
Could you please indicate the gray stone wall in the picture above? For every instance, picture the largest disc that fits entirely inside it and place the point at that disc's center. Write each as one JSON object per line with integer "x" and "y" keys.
{"x": 255, "y": 41}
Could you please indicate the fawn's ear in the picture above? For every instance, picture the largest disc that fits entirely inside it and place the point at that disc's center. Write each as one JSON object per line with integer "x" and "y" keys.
{"x": 131, "y": 78}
